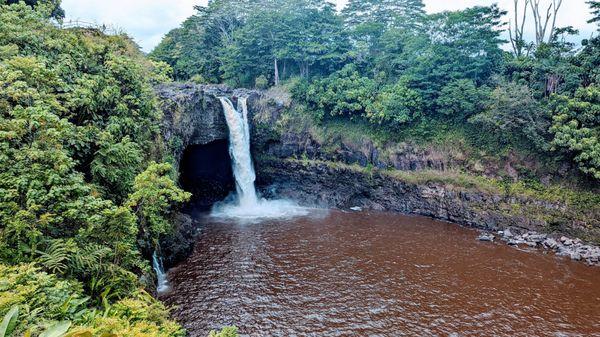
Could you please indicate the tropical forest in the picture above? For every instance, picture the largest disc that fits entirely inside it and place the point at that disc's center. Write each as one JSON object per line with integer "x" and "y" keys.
{"x": 301, "y": 168}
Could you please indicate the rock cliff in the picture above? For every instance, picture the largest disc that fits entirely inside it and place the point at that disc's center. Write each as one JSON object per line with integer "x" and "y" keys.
{"x": 289, "y": 163}
{"x": 193, "y": 115}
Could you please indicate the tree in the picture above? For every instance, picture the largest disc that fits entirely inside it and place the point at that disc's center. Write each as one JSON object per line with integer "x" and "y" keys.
{"x": 543, "y": 19}
{"x": 195, "y": 47}
{"x": 457, "y": 45}
{"x": 544, "y": 24}
{"x": 153, "y": 198}
{"x": 53, "y": 5}
{"x": 294, "y": 38}
{"x": 368, "y": 21}
{"x": 576, "y": 128}
{"x": 595, "y": 6}
{"x": 517, "y": 28}
{"x": 388, "y": 13}
{"x": 588, "y": 60}
{"x": 514, "y": 116}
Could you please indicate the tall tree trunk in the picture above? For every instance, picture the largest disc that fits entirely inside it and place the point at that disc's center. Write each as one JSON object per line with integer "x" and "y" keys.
{"x": 516, "y": 31}
{"x": 542, "y": 20}
{"x": 284, "y": 72}
{"x": 304, "y": 69}
{"x": 552, "y": 83}
{"x": 276, "y": 71}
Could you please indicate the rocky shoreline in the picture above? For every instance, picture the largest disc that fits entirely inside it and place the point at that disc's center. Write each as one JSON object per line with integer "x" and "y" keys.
{"x": 575, "y": 249}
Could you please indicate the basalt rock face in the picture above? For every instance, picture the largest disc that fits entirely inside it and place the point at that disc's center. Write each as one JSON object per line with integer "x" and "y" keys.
{"x": 193, "y": 114}
{"x": 326, "y": 185}
{"x": 321, "y": 185}
{"x": 404, "y": 157}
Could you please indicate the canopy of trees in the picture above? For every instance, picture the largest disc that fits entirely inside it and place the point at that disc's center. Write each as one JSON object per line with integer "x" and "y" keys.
{"x": 392, "y": 65}
{"x": 51, "y": 7}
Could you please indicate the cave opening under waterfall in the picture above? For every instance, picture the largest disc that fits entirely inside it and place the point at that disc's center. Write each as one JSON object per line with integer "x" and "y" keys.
{"x": 205, "y": 171}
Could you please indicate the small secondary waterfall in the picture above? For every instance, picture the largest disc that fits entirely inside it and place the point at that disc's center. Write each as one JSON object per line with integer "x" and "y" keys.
{"x": 247, "y": 205}
{"x": 162, "y": 283}
{"x": 239, "y": 149}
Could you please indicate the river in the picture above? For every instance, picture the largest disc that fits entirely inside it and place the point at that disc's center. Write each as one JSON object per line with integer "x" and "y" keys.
{"x": 376, "y": 274}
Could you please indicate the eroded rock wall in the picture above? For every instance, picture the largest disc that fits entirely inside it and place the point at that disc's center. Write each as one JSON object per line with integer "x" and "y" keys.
{"x": 193, "y": 115}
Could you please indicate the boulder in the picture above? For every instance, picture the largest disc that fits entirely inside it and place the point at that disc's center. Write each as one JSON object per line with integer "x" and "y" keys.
{"x": 550, "y": 243}
{"x": 486, "y": 237}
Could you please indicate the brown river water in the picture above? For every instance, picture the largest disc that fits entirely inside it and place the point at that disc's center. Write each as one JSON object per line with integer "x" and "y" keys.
{"x": 377, "y": 274}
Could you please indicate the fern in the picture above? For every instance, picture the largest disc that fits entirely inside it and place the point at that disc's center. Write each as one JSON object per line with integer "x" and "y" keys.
{"x": 57, "y": 255}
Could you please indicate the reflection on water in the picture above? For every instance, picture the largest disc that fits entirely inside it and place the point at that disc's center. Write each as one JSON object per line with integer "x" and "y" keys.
{"x": 378, "y": 274}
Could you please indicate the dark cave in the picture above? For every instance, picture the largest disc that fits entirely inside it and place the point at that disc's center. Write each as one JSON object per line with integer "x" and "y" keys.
{"x": 205, "y": 171}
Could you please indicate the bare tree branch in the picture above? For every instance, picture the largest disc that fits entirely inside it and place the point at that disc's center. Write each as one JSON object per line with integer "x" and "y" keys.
{"x": 516, "y": 33}
{"x": 541, "y": 23}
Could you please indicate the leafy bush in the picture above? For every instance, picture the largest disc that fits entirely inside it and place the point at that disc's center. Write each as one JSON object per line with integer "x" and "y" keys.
{"x": 514, "y": 116}
{"x": 261, "y": 82}
{"x": 225, "y": 332}
{"x": 576, "y": 128}
{"x": 42, "y": 301}
{"x": 345, "y": 93}
{"x": 394, "y": 106}
{"x": 461, "y": 99}
{"x": 153, "y": 193}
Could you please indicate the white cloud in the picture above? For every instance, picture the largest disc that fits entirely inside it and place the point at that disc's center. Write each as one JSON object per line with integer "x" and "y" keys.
{"x": 148, "y": 20}
{"x": 145, "y": 20}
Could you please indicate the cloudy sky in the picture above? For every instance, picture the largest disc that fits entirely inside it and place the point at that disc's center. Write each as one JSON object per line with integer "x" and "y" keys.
{"x": 148, "y": 20}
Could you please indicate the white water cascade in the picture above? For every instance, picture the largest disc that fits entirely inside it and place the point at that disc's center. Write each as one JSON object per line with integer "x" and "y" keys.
{"x": 239, "y": 149}
{"x": 246, "y": 205}
{"x": 162, "y": 284}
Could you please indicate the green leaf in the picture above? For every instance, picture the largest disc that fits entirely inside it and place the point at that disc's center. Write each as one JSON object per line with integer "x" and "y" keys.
{"x": 9, "y": 322}
{"x": 57, "y": 330}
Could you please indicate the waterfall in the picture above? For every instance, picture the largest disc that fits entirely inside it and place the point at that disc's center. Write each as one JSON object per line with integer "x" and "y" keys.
{"x": 162, "y": 283}
{"x": 246, "y": 204}
{"x": 239, "y": 149}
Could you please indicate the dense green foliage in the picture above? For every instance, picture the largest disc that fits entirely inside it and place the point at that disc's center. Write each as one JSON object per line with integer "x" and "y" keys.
{"x": 42, "y": 300}
{"x": 576, "y": 128}
{"x": 52, "y": 7}
{"x": 595, "y": 6}
{"x": 392, "y": 66}
{"x": 83, "y": 181}
{"x": 79, "y": 188}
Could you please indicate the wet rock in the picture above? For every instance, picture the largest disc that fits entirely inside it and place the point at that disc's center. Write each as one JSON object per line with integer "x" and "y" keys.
{"x": 486, "y": 237}
{"x": 550, "y": 243}
{"x": 178, "y": 246}
{"x": 193, "y": 114}
{"x": 564, "y": 251}
{"x": 593, "y": 256}
{"x": 566, "y": 241}
{"x": 537, "y": 238}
